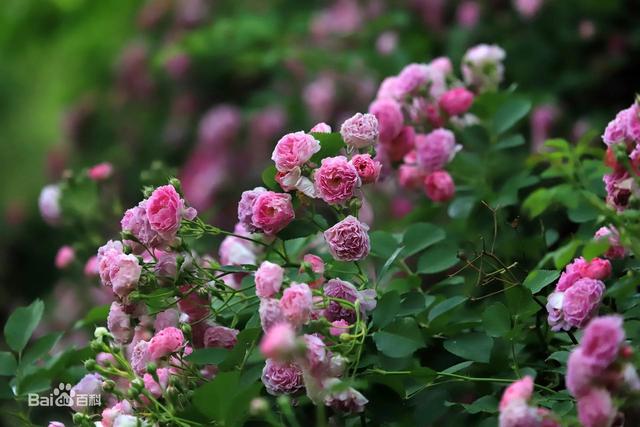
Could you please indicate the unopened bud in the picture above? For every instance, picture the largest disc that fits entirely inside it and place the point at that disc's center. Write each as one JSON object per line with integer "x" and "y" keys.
{"x": 175, "y": 182}
{"x": 258, "y": 406}
{"x": 137, "y": 383}
{"x": 101, "y": 332}
{"x": 90, "y": 365}
{"x": 151, "y": 368}
{"x": 626, "y": 352}
{"x": 185, "y": 328}
{"x": 108, "y": 385}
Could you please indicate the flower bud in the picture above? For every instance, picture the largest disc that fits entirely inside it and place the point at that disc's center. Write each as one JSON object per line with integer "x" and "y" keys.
{"x": 151, "y": 368}
{"x": 108, "y": 385}
{"x": 185, "y": 328}
{"x": 258, "y": 406}
{"x": 175, "y": 182}
{"x": 90, "y": 365}
{"x": 80, "y": 418}
{"x": 101, "y": 332}
{"x": 137, "y": 383}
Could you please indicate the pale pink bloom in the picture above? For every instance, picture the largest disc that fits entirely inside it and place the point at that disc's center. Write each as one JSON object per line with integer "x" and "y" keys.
{"x": 412, "y": 77}
{"x": 279, "y": 342}
{"x": 602, "y": 340}
{"x": 117, "y": 270}
{"x": 348, "y": 240}
{"x": 542, "y": 119}
{"x": 119, "y": 323}
{"x": 245, "y": 207}
{"x": 615, "y": 250}
{"x": 65, "y": 257}
{"x": 368, "y": 169}
{"x": 294, "y": 149}
{"x": 442, "y": 64}
{"x": 390, "y": 118}
{"x": 90, "y": 384}
{"x": 270, "y": 313}
{"x": 165, "y": 319}
{"x": 339, "y": 327}
{"x": 360, "y": 131}
{"x": 518, "y": 390}
{"x": 59, "y": 424}
{"x": 410, "y": 176}
{"x": 348, "y": 400}
{"x": 154, "y": 387}
{"x": 167, "y": 264}
{"x": 125, "y": 420}
{"x": 468, "y": 14}
{"x": 139, "y": 356}
{"x": 282, "y": 377}
{"x": 389, "y": 89}
{"x": 519, "y": 414}
{"x": 576, "y": 306}
{"x": 268, "y": 279}
{"x": 317, "y": 359}
{"x": 439, "y": 186}
{"x": 136, "y": 222}
{"x": 436, "y": 149}
{"x": 100, "y": 172}
{"x": 336, "y": 180}
{"x": 320, "y": 128}
{"x": 617, "y": 129}
{"x": 294, "y": 180}
{"x": 527, "y": 8}
{"x": 49, "y": 204}
{"x": 272, "y": 212}
{"x": 219, "y": 126}
{"x": 220, "y": 337}
{"x": 296, "y": 303}
{"x": 110, "y": 414}
{"x": 387, "y": 42}
{"x": 586, "y": 29}
{"x": 319, "y": 97}
{"x": 202, "y": 175}
{"x": 595, "y": 408}
{"x": 105, "y": 359}
{"x": 482, "y": 66}
{"x": 165, "y": 209}
{"x": 91, "y": 267}
{"x": 167, "y": 341}
{"x": 456, "y": 101}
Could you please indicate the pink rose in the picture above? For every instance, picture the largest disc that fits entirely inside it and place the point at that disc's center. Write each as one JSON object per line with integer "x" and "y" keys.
{"x": 368, "y": 169}
{"x": 90, "y": 384}
{"x": 339, "y": 327}
{"x": 110, "y": 414}
{"x": 595, "y": 409}
{"x": 91, "y": 267}
{"x": 597, "y": 268}
{"x": 602, "y": 340}
{"x": 436, "y": 149}
{"x": 390, "y": 118}
{"x": 336, "y": 288}
{"x": 317, "y": 267}
{"x": 49, "y": 204}
{"x": 528, "y": 8}
{"x": 317, "y": 359}
{"x": 389, "y": 89}
{"x": 410, "y": 176}
{"x": 279, "y": 342}
{"x": 456, "y": 101}
{"x": 272, "y": 212}
{"x": 616, "y": 130}
{"x": 412, "y": 77}
{"x": 518, "y": 390}
{"x": 245, "y": 207}
{"x": 482, "y": 66}
{"x": 519, "y": 414}
{"x": 100, "y": 172}
{"x": 268, "y": 279}
{"x": 573, "y": 272}
{"x": 616, "y": 250}
{"x": 581, "y": 302}
{"x": 294, "y": 149}
{"x": 399, "y": 146}
{"x": 439, "y": 186}
{"x": 167, "y": 341}
{"x": 468, "y": 14}
{"x": 296, "y": 303}
{"x": 348, "y": 400}
{"x": 321, "y": 128}
{"x": 117, "y": 270}
{"x": 282, "y": 377}
{"x": 442, "y": 64}
{"x": 59, "y": 424}
{"x": 270, "y": 313}
{"x": 157, "y": 388}
{"x": 336, "y": 180}
{"x": 65, "y": 257}
{"x": 136, "y": 222}
{"x": 348, "y": 240}
{"x": 139, "y": 356}
{"x": 220, "y": 337}
{"x": 165, "y": 209}
{"x": 360, "y": 131}
{"x": 119, "y": 323}
{"x": 165, "y": 319}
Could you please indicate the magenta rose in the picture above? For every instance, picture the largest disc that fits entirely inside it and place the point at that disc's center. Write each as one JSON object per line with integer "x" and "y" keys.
{"x": 294, "y": 149}
{"x": 390, "y": 118}
{"x": 360, "y": 131}
{"x": 349, "y": 400}
{"x": 412, "y": 77}
{"x": 368, "y": 169}
{"x": 282, "y": 377}
{"x": 439, "y": 186}
{"x": 296, "y": 303}
{"x": 596, "y": 409}
{"x": 581, "y": 302}
{"x": 100, "y": 172}
{"x": 580, "y": 373}
{"x": 456, "y": 101}
{"x": 336, "y": 180}
{"x": 220, "y": 337}
{"x": 436, "y": 149}
{"x": 348, "y": 240}
{"x": 272, "y": 212}
{"x": 602, "y": 340}
{"x": 268, "y": 279}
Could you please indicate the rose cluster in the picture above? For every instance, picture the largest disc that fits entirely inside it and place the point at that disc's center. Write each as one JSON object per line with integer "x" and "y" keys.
{"x": 417, "y": 110}
{"x": 578, "y": 293}
{"x": 515, "y": 410}
{"x": 599, "y": 371}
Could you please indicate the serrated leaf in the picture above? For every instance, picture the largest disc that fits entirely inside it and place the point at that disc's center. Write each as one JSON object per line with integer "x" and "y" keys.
{"x": 537, "y": 280}
{"x": 21, "y": 324}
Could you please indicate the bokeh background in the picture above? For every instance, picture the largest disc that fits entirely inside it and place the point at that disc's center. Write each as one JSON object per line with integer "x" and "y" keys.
{"x": 202, "y": 89}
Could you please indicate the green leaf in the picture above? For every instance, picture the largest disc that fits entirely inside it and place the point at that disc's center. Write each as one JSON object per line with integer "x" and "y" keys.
{"x": 509, "y": 142}
{"x": 538, "y": 201}
{"x": 538, "y": 279}
{"x": 8, "y": 364}
{"x": 214, "y": 398}
{"x": 21, "y": 324}
{"x": 461, "y": 207}
{"x": 564, "y": 254}
{"x": 246, "y": 340}
{"x": 208, "y": 356}
{"x": 298, "y": 228}
{"x": 95, "y": 316}
{"x": 420, "y": 236}
{"x": 269, "y": 178}
{"x": 40, "y": 348}
{"x": 487, "y": 404}
{"x": 509, "y": 113}
{"x": 445, "y": 306}
{"x": 595, "y": 248}
{"x": 400, "y": 339}
{"x": 472, "y": 346}
{"x": 330, "y": 145}
{"x": 383, "y": 244}
{"x": 559, "y": 356}
{"x": 386, "y": 309}
{"x": 458, "y": 367}
{"x": 496, "y": 320}
{"x": 438, "y": 258}
{"x": 389, "y": 262}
